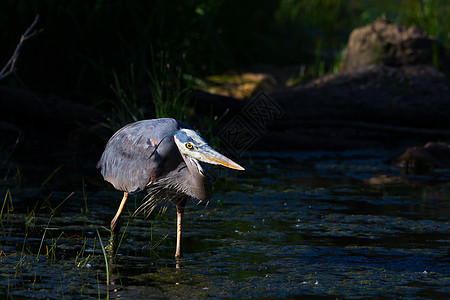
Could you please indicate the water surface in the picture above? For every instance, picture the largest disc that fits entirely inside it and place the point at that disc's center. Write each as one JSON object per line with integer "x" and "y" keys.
{"x": 317, "y": 224}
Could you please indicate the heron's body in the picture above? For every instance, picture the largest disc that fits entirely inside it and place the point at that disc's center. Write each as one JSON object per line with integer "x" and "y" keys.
{"x": 163, "y": 157}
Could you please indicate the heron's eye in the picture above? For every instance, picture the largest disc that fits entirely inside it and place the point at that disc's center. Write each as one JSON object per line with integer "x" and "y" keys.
{"x": 189, "y": 146}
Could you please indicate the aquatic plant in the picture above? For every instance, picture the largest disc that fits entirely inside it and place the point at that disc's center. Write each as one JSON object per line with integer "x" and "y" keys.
{"x": 7, "y": 208}
{"x": 168, "y": 94}
{"x": 80, "y": 260}
{"x": 86, "y": 209}
{"x": 126, "y": 108}
{"x": 106, "y": 264}
{"x": 42, "y": 239}
{"x": 51, "y": 175}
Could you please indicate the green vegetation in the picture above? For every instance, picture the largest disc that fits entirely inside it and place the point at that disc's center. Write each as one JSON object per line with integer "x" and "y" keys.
{"x": 7, "y": 206}
{"x": 169, "y": 96}
{"x": 105, "y": 256}
{"x": 126, "y": 107}
{"x": 164, "y": 96}
{"x": 37, "y": 235}
{"x": 137, "y": 59}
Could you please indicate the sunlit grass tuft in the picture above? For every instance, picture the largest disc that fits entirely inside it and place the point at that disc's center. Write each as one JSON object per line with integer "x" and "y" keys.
{"x": 168, "y": 97}
{"x": 126, "y": 107}
{"x": 80, "y": 260}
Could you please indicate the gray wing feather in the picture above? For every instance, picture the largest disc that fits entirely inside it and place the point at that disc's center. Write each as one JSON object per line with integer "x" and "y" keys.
{"x": 127, "y": 162}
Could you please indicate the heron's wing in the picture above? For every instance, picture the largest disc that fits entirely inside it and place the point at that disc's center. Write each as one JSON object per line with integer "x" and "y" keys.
{"x": 127, "y": 162}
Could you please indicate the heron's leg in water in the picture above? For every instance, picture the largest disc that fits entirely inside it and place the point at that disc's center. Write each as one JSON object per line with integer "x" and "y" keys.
{"x": 115, "y": 221}
{"x": 180, "y": 203}
{"x": 115, "y": 228}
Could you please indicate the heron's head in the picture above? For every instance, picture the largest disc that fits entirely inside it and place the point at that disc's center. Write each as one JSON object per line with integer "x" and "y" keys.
{"x": 193, "y": 148}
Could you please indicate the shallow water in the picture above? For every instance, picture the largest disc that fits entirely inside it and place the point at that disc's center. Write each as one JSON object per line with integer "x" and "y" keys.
{"x": 316, "y": 224}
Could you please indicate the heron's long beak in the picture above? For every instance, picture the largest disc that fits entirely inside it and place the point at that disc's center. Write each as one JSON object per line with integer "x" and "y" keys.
{"x": 211, "y": 156}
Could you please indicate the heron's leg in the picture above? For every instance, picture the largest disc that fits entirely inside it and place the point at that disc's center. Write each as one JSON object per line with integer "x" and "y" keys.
{"x": 115, "y": 221}
{"x": 180, "y": 211}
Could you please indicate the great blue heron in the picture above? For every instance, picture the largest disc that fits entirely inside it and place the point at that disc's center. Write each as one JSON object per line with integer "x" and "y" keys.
{"x": 163, "y": 157}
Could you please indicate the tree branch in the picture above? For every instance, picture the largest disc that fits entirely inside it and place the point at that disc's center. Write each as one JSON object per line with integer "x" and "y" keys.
{"x": 10, "y": 67}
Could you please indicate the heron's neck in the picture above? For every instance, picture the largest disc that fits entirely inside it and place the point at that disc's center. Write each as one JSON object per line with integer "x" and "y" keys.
{"x": 198, "y": 184}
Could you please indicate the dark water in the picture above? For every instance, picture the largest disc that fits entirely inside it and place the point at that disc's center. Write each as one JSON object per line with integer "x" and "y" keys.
{"x": 316, "y": 224}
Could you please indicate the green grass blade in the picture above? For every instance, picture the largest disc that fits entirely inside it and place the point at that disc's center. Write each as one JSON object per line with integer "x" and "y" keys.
{"x": 106, "y": 264}
{"x": 51, "y": 175}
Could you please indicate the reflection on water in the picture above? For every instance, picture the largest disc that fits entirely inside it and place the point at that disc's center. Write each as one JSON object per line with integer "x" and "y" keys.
{"x": 311, "y": 223}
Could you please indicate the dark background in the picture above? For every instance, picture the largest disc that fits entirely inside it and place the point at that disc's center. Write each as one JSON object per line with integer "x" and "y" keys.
{"x": 85, "y": 43}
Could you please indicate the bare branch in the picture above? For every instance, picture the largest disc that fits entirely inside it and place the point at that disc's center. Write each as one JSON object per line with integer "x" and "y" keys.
{"x": 10, "y": 67}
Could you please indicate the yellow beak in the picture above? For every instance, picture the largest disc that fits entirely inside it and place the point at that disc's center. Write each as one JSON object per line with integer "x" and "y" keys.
{"x": 211, "y": 156}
